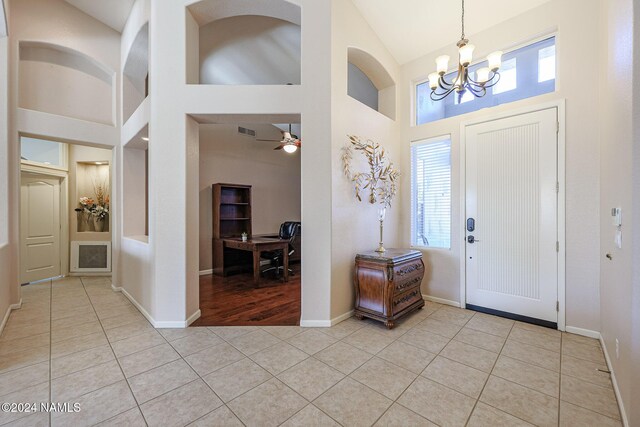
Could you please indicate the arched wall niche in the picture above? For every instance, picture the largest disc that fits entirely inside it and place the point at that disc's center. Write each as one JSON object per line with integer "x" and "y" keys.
{"x": 244, "y": 42}
{"x": 370, "y": 83}
{"x": 58, "y": 80}
{"x": 135, "y": 74}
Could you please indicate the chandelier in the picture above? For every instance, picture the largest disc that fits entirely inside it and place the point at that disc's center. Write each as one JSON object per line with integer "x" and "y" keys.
{"x": 485, "y": 77}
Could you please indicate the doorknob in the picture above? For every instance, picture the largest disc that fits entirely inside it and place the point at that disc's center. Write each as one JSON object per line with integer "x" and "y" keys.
{"x": 472, "y": 239}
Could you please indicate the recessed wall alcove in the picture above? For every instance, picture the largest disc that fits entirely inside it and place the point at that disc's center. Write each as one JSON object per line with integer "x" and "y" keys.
{"x": 58, "y": 80}
{"x": 135, "y": 74}
{"x": 241, "y": 42}
{"x": 370, "y": 83}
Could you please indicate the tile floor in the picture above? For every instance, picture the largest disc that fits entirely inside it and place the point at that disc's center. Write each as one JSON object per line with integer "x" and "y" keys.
{"x": 77, "y": 341}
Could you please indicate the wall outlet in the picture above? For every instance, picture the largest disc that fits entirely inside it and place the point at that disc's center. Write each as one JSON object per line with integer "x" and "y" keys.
{"x": 617, "y": 349}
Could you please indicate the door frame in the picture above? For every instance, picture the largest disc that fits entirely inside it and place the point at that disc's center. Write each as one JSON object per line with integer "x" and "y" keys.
{"x": 63, "y": 176}
{"x": 560, "y": 104}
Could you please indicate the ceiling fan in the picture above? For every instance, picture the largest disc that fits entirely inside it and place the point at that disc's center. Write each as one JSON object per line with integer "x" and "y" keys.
{"x": 289, "y": 142}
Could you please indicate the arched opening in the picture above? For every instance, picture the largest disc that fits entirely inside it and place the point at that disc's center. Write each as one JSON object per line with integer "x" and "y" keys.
{"x": 370, "y": 83}
{"x": 135, "y": 74}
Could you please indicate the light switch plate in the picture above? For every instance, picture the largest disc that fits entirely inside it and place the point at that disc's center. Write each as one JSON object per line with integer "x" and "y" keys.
{"x": 616, "y": 217}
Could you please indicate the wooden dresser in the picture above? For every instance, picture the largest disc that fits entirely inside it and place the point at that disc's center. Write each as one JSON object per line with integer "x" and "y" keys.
{"x": 388, "y": 284}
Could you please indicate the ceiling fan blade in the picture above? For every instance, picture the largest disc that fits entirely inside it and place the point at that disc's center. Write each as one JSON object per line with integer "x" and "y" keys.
{"x": 279, "y": 147}
{"x": 271, "y": 140}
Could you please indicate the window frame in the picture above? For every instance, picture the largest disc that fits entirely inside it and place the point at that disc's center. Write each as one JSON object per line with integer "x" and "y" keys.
{"x": 414, "y": 192}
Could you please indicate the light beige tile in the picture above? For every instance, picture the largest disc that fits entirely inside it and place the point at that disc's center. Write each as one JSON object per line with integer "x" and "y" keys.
{"x": 75, "y": 362}
{"x": 444, "y": 328}
{"x": 583, "y": 351}
{"x": 229, "y": 332}
{"x": 107, "y": 312}
{"x": 71, "y": 386}
{"x": 590, "y": 396}
{"x": 456, "y": 376}
{"x": 151, "y": 384}
{"x": 490, "y": 325}
{"x": 343, "y": 357}
{"x": 344, "y": 328}
{"x": 311, "y": 341}
{"x": 532, "y": 355}
{"x": 77, "y": 344}
{"x": 524, "y": 403}
{"x": 146, "y": 360}
{"x": 398, "y": 330}
{"x": 78, "y": 311}
{"x": 470, "y": 355}
{"x": 20, "y": 330}
{"x": 181, "y": 406}
{"x": 269, "y": 404}
{"x": 137, "y": 343}
{"x": 213, "y": 358}
{"x": 219, "y": 417}
{"x": 536, "y": 328}
{"x": 23, "y": 358}
{"x": 310, "y": 416}
{"x": 480, "y": 339}
{"x": 237, "y": 378}
{"x": 39, "y": 419}
{"x": 457, "y": 316}
{"x": 437, "y": 403}
{"x": 531, "y": 376}
{"x": 310, "y": 378}
{"x": 196, "y": 342}
{"x": 385, "y": 378}
{"x": 575, "y": 416}
{"x": 537, "y": 338}
{"x": 129, "y": 330}
{"x": 114, "y": 322}
{"x": 74, "y": 320}
{"x": 406, "y": 356}
{"x": 283, "y": 332}
{"x": 353, "y": 404}
{"x": 171, "y": 334}
{"x": 20, "y": 379}
{"x": 484, "y": 415}
{"x": 35, "y": 394}
{"x": 587, "y": 371}
{"x": 253, "y": 342}
{"x": 425, "y": 340}
{"x": 131, "y": 418}
{"x": 368, "y": 340}
{"x": 87, "y": 328}
{"x": 279, "y": 358}
{"x": 579, "y": 339}
{"x": 399, "y": 416}
{"x": 20, "y": 344}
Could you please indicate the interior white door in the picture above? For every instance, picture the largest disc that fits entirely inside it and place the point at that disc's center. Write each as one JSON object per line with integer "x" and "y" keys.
{"x": 39, "y": 228}
{"x": 512, "y": 197}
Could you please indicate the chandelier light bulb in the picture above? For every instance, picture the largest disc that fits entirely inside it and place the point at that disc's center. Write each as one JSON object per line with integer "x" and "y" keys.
{"x": 482, "y": 75}
{"x": 466, "y": 54}
{"x": 433, "y": 80}
{"x": 442, "y": 64}
{"x": 495, "y": 60}
{"x": 290, "y": 148}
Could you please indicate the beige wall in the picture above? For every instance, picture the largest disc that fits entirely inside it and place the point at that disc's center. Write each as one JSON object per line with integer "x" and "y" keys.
{"x": 616, "y": 105}
{"x": 229, "y": 157}
{"x": 575, "y": 52}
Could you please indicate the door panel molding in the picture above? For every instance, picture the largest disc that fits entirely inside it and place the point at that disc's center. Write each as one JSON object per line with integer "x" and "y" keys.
{"x": 561, "y": 197}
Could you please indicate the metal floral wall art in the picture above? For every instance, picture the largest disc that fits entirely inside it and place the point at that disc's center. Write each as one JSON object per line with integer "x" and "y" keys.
{"x": 380, "y": 181}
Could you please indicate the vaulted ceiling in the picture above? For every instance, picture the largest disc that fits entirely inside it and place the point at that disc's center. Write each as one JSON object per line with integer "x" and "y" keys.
{"x": 113, "y": 13}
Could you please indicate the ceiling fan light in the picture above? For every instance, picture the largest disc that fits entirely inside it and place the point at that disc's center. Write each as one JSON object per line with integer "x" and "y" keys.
{"x": 466, "y": 54}
{"x": 290, "y": 148}
{"x": 495, "y": 60}
{"x": 433, "y": 80}
{"x": 442, "y": 64}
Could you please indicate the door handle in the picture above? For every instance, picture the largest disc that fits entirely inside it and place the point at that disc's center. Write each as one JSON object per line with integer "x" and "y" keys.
{"x": 472, "y": 239}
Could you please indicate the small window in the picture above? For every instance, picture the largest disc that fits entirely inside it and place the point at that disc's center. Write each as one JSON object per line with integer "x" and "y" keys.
{"x": 43, "y": 151}
{"x": 525, "y": 72}
{"x": 431, "y": 193}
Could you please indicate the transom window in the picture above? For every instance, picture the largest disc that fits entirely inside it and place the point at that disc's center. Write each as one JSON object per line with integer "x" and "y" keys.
{"x": 525, "y": 72}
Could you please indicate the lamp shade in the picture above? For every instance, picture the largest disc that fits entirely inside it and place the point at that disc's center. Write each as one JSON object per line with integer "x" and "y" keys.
{"x": 290, "y": 148}
{"x": 482, "y": 75}
{"x": 495, "y": 60}
{"x": 442, "y": 64}
{"x": 466, "y": 54}
{"x": 433, "y": 80}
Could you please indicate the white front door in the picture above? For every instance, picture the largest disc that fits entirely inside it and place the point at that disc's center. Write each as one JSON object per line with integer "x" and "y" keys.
{"x": 512, "y": 215}
{"x": 39, "y": 228}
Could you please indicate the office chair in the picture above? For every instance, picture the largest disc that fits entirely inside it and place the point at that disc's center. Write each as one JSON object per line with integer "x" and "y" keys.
{"x": 289, "y": 230}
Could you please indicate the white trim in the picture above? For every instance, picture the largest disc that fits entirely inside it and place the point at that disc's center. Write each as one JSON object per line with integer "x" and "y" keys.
{"x": 560, "y": 105}
{"x": 205, "y": 272}
{"x": 315, "y": 323}
{"x": 584, "y": 332}
{"x": 441, "y": 300}
{"x": 195, "y": 316}
{"x": 135, "y": 303}
{"x": 5, "y": 319}
{"x": 342, "y": 317}
{"x": 75, "y": 256}
{"x": 616, "y": 389}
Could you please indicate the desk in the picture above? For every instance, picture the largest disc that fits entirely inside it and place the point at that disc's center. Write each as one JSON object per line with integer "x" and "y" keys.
{"x": 257, "y": 245}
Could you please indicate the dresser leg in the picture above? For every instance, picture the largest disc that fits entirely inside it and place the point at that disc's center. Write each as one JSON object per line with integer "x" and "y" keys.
{"x": 389, "y": 324}
{"x": 359, "y": 316}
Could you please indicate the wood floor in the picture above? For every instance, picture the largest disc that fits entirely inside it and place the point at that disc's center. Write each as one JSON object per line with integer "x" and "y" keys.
{"x": 235, "y": 301}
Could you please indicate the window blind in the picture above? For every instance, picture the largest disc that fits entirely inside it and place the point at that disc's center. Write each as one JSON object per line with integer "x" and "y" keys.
{"x": 431, "y": 193}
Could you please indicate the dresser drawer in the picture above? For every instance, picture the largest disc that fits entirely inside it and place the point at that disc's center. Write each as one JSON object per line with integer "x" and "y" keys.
{"x": 405, "y": 299}
{"x": 408, "y": 275}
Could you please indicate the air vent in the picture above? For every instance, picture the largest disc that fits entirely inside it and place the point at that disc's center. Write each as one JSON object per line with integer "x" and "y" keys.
{"x": 246, "y": 131}
{"x": 91, "y": 257}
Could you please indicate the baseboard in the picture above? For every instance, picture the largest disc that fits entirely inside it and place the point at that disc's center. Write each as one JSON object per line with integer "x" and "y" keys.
{"x": 616, "y": 389}
{"x": 195, "y": 316}
{"x": 342, "y": 317}
{"x": 315, "y": 323}
{"x": 584, "y": 332}
{"x": 441, "y": 300}
{"x": 205, "y": 272}
{"x": 5, "y": 319}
